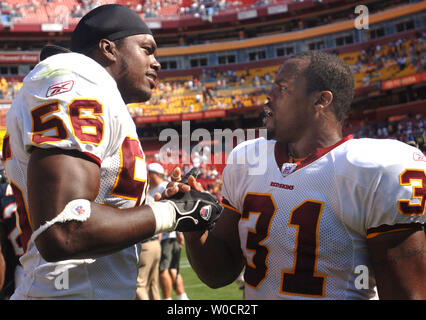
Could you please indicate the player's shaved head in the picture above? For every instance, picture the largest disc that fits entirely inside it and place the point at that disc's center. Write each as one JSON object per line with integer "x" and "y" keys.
{"x": 326, "y": 72}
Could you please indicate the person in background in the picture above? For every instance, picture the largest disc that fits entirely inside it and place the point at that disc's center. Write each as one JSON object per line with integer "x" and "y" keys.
{"x": 148, "y": 274}
{"x": 170, "y": 278}
{"x": 10, "y": 246}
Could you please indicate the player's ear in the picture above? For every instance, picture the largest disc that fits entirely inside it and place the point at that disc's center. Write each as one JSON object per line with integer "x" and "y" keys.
{"x": 107, "y": 50}
{"x": 323, "y": 100}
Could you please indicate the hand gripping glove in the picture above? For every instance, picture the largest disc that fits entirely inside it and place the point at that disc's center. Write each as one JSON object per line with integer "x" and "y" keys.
{"x": 195, "y": 210}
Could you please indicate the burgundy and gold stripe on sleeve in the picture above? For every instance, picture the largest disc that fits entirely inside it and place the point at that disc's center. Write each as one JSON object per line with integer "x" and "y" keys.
{"x": 225, "y": 203}
{"x": 374, "y": 232}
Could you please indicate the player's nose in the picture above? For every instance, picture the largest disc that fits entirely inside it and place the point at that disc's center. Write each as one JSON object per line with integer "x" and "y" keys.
{"x": 155, "y": 64}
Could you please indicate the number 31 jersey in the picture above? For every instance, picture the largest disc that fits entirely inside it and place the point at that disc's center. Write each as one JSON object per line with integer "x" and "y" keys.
{"x": 304, "y": 227}
{"x": 69, "y": 101}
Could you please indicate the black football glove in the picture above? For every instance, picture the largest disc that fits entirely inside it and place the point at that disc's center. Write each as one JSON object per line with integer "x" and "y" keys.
{"x": 195, "y": 210}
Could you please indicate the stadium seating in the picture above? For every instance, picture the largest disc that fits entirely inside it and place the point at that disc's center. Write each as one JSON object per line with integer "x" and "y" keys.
{"x": 38, "y": 11}
{"x": 378, "y": 64}
{"x": 243, "y": 86}
{"x": 187, "y": 94}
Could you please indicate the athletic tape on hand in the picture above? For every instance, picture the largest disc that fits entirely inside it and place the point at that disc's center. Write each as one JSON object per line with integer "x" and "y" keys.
{"x": 165, "y": 216}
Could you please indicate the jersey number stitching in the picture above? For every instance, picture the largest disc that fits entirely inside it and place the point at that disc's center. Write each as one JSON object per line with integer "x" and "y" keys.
{"x": 85, "y": 119}
{"x": 131, "y": 182}
{"x": 303, "y": 279}
{"x": 405, "y": 207}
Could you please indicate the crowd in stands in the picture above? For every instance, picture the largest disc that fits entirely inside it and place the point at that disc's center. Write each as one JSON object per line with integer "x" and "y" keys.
{"x": 83, "y": 6}
{"x": 406, "y": 128}
{"x": 10, "y": 12}
{"x": 13, "y": 10}
{"x": 9, "y": 89}
{"x": 196, "y": 8}
{"x": 245, "y": 88}
{"x": 397, "y": 58}
{"x": 213, "y": 90}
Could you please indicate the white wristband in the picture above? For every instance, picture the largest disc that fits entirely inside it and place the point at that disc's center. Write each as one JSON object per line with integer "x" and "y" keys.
{"x": 165, "y": 216}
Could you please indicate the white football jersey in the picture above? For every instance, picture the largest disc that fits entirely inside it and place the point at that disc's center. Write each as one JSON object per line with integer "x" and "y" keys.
{"x": 303, "y": 229}
{"x": 69, "y": 101}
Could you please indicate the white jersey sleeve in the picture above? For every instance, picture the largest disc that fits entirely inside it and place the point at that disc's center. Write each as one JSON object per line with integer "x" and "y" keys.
{"x": 246, "y": 159}
{"x": 389, "y": 185}
{"x": 66, "y": 108}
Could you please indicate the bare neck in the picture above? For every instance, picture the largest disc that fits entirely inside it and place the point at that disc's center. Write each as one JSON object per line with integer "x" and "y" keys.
{"x": 322, "y": 135}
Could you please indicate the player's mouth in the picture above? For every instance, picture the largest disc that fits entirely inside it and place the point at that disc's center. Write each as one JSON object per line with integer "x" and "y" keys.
{"x": 267, "y": 110}
{"x": 152, "y": 79}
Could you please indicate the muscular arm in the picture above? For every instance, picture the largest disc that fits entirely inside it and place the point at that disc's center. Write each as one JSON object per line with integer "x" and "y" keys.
{"x": 216, "y": 255}
{"x": 55, "y": 178}
{"x": 2, "y": 261}
{"x": 399, "y": 262}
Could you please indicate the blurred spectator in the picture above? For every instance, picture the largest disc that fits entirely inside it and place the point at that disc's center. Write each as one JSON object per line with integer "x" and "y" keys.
{"x": 148, "y": 276}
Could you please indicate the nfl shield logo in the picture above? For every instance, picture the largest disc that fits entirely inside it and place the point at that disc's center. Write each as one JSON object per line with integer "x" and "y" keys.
{"x": 288, "y": 168}
{"x": 80, "y": 210}
{"x": 205, "y": 212}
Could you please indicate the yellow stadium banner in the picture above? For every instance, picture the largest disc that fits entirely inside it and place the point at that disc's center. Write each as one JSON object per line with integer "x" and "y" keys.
{"x": 2, "y": 134}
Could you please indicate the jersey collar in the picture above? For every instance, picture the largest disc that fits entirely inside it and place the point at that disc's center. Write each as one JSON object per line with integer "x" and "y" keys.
{"x": 282, "y": 155}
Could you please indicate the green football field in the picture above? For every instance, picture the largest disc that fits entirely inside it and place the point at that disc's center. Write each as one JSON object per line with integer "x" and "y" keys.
{"x": 196, "y": 290}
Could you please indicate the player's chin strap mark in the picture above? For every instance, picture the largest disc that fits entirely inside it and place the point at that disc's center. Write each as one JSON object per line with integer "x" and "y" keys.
{"x": 76, "y": 210}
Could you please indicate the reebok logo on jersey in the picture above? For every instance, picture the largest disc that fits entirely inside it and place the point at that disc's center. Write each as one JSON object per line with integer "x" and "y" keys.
{"x": 58, "y": 88}
{"x": 417, "y": 156}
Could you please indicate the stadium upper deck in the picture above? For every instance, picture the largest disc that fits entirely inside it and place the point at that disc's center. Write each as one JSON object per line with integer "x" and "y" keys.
{"x": 328, "y": 25}
{"x": 218, "y": 57}
{"x": 189, "y": 23}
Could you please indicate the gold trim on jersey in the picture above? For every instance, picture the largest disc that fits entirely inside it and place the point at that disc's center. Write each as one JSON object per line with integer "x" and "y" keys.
{"x": 410, "y": 175}
{"x": 40, "y": 133}
{"x": 375, "y": 234}
{"x": 88, "y": 130}
{"x": 296, "y": 246}
{"x": 230, "y": 208}
{"x": 254, "y": 231}
{"x": 140, "y": 196}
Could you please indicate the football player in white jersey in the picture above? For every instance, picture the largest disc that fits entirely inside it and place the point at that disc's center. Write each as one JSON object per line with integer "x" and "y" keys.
{"x": 319, "y": 216}
{"x": 76, "y": 165}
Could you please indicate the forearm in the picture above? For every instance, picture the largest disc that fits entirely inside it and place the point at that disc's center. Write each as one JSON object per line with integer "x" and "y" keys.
{"x": 2, "y": 269}
{"x": 395, "y": 284}
{"x": 2, "y": 261}
{"x": 213, "y": 261}
{"x": 107, "y": 230}
{"x": 103, "y": 229}
{"x": 399, "y": 262}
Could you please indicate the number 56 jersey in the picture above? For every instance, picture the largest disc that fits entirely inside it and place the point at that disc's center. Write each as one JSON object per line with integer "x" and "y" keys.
{"x": 70, "y": 102}
{"x": 303, "y": 227}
